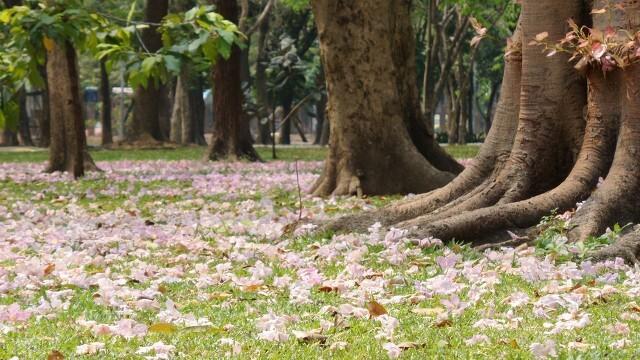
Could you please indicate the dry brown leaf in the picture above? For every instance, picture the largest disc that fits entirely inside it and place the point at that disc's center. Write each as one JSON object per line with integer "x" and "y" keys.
{"x": 411, "y": 345}
{"x": 328, "y": 289}
{"x": 375, "y": 309}
{"x": 163, "y": 328}
{"x": 443, "y": 323}
{"x": 310, "y": 336}
{"x": 49, "y": 269}
{"x": 55, "y": 355}
{"x": 252, "y": 288}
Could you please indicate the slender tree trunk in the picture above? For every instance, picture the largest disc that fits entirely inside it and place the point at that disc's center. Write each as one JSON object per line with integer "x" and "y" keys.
{"x": 45, "y": 120}
{"x": 105, "y": 95}
{"x": 146, "y": 124}
{"x": 197, "y": 111}
{"x": 262, "y": 99}
{"x": 285, "y": 128}
{"x": 24, "y": 127}
{"x": 181, "y": 126}
{"x": 368, "y": 55}
{"x": 67, "y": 151}
{"x": 231, "y": 137}
{"x": 323, "y": 122}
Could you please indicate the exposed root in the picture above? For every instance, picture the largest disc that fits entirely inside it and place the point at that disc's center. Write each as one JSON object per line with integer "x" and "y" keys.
{"x": 616, "y": 200}
{"x": 626, "y": 247}
{"x": 593, "y": 162}
{"x": 491, "y": 160}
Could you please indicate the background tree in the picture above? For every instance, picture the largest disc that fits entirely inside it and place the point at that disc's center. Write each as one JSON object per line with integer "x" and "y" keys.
{"x": 145, "y": 124}
{"x": 380, "y": 142}
{"x": 231, "y": 136}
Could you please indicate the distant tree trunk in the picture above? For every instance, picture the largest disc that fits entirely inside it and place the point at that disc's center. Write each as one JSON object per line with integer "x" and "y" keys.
{"x": 231, "y": 137}
{"x": 45, "y": 118}
{"x": 285, "y": 128}
{"x": 23, "y": 120}
{"x": 197, "y": 111}
{"x": 67, "y": 151}
{"x": 182, "y": 117}
{"x": 105, "y": 94}
{"x": 145, "y": 125}
{"x": 378, "y": 137}
{"x": 262, "y": 100}
{"x": 9, "y": 138}
{"x": 321, "y": 108}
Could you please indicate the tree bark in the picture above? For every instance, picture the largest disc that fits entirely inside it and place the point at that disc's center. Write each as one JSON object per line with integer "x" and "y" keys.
{"x": 231, "y": 138}
{"x": 105, "y": 95}
{"x": 67, "y": 151}
{"x": 45, "y": 120}
{"x": 145, "y": 126}
{"x": 262, "y": 98}
{"x": 541, "y": 154}
{"x": 181, "y": 118}
{"x": 368, "y": 55}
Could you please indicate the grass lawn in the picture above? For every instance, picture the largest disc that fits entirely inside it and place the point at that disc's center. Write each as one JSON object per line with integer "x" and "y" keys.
{"x": 197, "y": 153}
{"x": 187, "y": 260}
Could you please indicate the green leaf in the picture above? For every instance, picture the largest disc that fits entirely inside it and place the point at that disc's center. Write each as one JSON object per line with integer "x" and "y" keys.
{"x": 132, "y": 11}
{"x": 5, "y": 16}
{"x": 172, "y": 63}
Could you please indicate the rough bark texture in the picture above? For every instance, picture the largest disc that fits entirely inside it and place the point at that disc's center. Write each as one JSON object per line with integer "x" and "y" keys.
{"x": 145, "y": 125}
{"x": 541, "y": 153}
{"x": 379, "y": 138}
{"x": 67, "y": 151}
{"x": 181, "y": 118}
{"x": 105, "y": 95}
{"x": 231, "y": 137}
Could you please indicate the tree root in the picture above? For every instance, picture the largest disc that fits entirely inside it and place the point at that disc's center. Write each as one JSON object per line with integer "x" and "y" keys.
{"x": 627, "y": 247}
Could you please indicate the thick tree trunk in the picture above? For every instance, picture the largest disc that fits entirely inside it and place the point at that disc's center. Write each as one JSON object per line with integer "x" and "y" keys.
{"x": 67, "y": 151}
{"x": 553, "y": 160}
{"x": 368, "y": 56}
{"x": 105, "y": 95}
{"x": 145, "y": 125}
{"x": 231, "y": 137}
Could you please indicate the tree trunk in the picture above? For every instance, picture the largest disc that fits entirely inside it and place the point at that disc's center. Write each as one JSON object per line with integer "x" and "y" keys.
{"x": 323, "y": 122}
{"x": 145, "y": 126}
{"x": 541, "y": 154}
{"x": 197, "y": 111}
{"x": 67, "y": 151}
{"x": 285, "y": 127}
{"x": 105, "y": 95}
{"x": 9, "y": 138}
{"x": 45, "y": 120}
{"x": 368, "y": 55}
{"x": 262, "y": 99}
{"x": 181, "y": 118}
{"x": 231, "y": 137}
